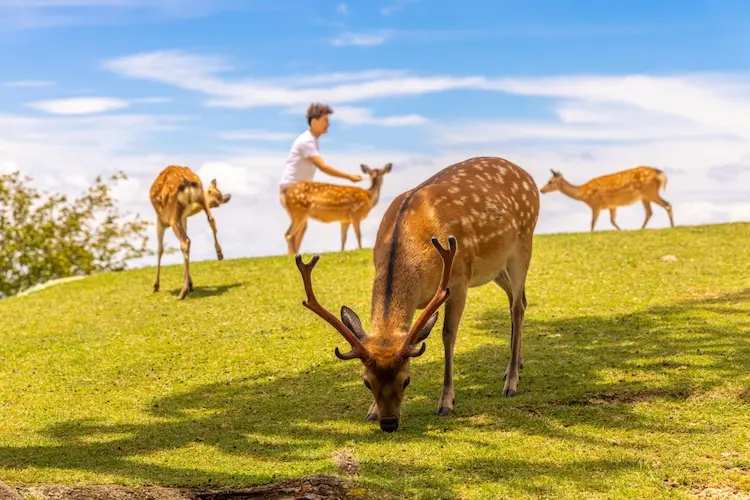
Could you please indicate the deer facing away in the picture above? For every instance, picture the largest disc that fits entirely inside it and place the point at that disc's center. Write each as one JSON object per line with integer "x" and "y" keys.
{"x": 324, "y": 202}
{"x": 620, "y": 189}
{"x": 487, "y": 209}
{"x": 176, "y": 194}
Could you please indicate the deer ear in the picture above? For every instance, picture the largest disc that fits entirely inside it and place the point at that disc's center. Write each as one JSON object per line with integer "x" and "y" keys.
{"x": 387, "y": 167}
{"x": 351, "y": 320}
{"x": 226, "y": 197}
{"x": 213, "y": 182}
{"x": 365, "y": 168}
{"x": 427, "y": 328}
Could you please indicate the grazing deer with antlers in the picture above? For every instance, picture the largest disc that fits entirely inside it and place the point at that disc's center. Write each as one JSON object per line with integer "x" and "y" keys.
{"x": 326, "y": 202}
{"x": 176, "y": 194}
{"x": 488, "y": 205}
{"x": 619, "y": 189}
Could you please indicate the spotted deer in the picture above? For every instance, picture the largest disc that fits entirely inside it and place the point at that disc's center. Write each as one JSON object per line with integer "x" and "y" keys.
{"x": 176, "y": 194}
{"x": 620, "y": 189}
{"x": 486, "y": 209}
{"x": 327, "y": 203}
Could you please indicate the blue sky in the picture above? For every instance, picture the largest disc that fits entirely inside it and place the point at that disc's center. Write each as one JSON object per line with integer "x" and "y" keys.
{"x": 585, "y": 87}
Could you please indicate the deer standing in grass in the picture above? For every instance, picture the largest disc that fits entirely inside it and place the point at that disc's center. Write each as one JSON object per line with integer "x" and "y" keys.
{"x": 176, "y": 194}
{"x": 620, "y": 189}
{"x": 486, "y": 209}
{"x": 327, "y": 203}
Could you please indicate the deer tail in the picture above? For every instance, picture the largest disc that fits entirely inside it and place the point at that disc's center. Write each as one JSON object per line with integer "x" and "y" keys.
{"x": 661, "y": 176}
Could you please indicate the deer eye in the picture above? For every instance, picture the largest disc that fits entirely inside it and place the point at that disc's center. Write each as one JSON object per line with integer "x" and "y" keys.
{"x": 406, "y": 382}
{"x": 367, "y": 384}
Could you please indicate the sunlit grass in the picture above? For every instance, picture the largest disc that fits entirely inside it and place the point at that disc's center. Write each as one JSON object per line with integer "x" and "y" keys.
{"x": 636, "y": 381}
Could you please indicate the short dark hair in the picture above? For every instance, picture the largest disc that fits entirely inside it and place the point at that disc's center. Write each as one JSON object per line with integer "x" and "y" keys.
{"x": 317, "y": 110}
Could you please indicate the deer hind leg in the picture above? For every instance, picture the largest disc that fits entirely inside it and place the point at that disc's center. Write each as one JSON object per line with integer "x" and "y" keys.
{"x": 212, "y": 223}
{"x": 503, "y": 281}
{"x": 298, "y": 222}
{"x": 159, "y": 252}
{"x": 649, "y": 212}
{"x": 517, "y": 270}
{"x": 344, "y": 229}
{"x": 454, "y": 308}
{"x": 299, "y": 235}
{"x": 667, "y": 206}
{"x": 179, "y": 231}
{"x": 612, "y": 215}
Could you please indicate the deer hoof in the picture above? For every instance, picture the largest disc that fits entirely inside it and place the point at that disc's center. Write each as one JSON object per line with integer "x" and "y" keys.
{"x": 444, "y": 411}
{"x": 156, "y": 288}
{"x": 182, "y": 294}
{"x": 509, "y": 393}
{"x": 371, "y": 417}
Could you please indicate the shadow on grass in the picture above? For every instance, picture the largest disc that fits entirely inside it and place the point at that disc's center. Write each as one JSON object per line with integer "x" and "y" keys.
{"x": 206, "y": 291}
{"x": 583, "y": 371}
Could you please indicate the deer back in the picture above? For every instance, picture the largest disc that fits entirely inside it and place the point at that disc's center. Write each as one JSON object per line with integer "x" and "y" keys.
{"x": 175, "y": 189}
{"x": 489, "y": 204}
{"x": 328, "y": 197}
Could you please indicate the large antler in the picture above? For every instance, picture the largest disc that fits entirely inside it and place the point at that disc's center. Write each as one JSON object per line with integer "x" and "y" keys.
{"x": 441, "y": 295}
{"x": 358, "y": 350}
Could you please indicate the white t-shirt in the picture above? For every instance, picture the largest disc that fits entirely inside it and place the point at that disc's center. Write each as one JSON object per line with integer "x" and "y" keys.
{"x": 298, "y": 166}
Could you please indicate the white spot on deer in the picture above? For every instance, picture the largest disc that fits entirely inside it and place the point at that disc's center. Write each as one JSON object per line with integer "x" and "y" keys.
{"x": 453, "y": 190}
{"x": 515, "y": 204}
{"x": 460, "y": 202}
{"x": 526, "y": 186}
{"x": 465, "y": 221}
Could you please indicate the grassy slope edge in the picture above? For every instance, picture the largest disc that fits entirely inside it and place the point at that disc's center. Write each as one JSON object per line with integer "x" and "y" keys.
{"x": 636, "y": 382}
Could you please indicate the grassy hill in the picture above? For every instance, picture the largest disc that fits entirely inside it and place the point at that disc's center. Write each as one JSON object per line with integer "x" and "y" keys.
{"x": 636, "y": 382}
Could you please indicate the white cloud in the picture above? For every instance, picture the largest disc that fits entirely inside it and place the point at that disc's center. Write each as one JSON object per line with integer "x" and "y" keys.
{"x": 360, "y": 39}
{"x": 342, "y": 8}
{"x": 396, "y": 6}
{"x": 33, "y": 84}
{"x": 256, "y": 135}
{"x": 79, "y": 105}
{"x": 153, "y": 100}
{"x": 363, "y": 116}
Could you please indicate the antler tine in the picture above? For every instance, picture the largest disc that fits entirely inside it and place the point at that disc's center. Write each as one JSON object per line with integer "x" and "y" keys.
{"x": 358, "y": 350}
{"x": 441, "y": 295}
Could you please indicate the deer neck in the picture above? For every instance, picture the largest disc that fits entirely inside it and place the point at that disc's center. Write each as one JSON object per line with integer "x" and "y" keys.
{"x": 571, "y": 190}
{"x": 393, "y": 303}
{"x": 374, "y": 191}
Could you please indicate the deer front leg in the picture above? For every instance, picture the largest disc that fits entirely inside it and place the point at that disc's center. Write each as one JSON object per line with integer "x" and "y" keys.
{"x": 357, "y": 233}
{"x": 344, "y": 229}
{"x": 159, "y": 252}
{"x": 185, "y": 247}
{"x": 212, "y": 223}
{"x": 594, "y": 216}
{"x": 454, "y": 308}
{"x": 372, "y": 413}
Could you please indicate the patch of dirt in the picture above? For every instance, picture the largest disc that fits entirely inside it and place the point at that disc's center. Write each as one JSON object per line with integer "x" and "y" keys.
{"x": 346, "y": 462}
{"x": 723, "y": 493}
{"x": 310, "y": 488}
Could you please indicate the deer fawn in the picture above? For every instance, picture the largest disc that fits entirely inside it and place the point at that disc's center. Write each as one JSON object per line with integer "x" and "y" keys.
{"x": 176, "y": 194}
{"x": 488, "y": 205}
{"x": 619, "y": 189}
{"x": 325, "y": 202}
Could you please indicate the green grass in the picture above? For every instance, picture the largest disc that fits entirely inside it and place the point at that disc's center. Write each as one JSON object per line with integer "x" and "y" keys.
{"x": 636, "y": 382}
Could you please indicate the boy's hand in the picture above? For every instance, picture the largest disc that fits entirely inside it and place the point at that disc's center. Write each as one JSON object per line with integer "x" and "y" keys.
{"x": 355, "y": 178}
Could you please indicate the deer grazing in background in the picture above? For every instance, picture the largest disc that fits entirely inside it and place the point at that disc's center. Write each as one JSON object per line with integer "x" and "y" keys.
{"x": 619, "y": 189}
{"x": 176, "y": 194}
{"x": 326, "y": 203}
{"x": 486, "y": 209}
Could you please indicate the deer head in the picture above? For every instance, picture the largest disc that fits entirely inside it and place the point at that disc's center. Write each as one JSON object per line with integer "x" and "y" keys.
{"x": 554, "y": 183}
{"x": 376, "y": 173}
{"x": 214, "y": 195}
{"x": 386, "y": 362}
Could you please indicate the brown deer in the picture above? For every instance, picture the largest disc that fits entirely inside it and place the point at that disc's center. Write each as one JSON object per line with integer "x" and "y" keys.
{"x": 619, "y": 189}
{"x": 487, "y": 209}
{"x": 326, "y": 203}
{"x": 176, "y": 194}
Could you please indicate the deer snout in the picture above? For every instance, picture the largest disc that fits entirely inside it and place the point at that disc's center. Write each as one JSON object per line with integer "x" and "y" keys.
{"x": 389, "y": 424}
